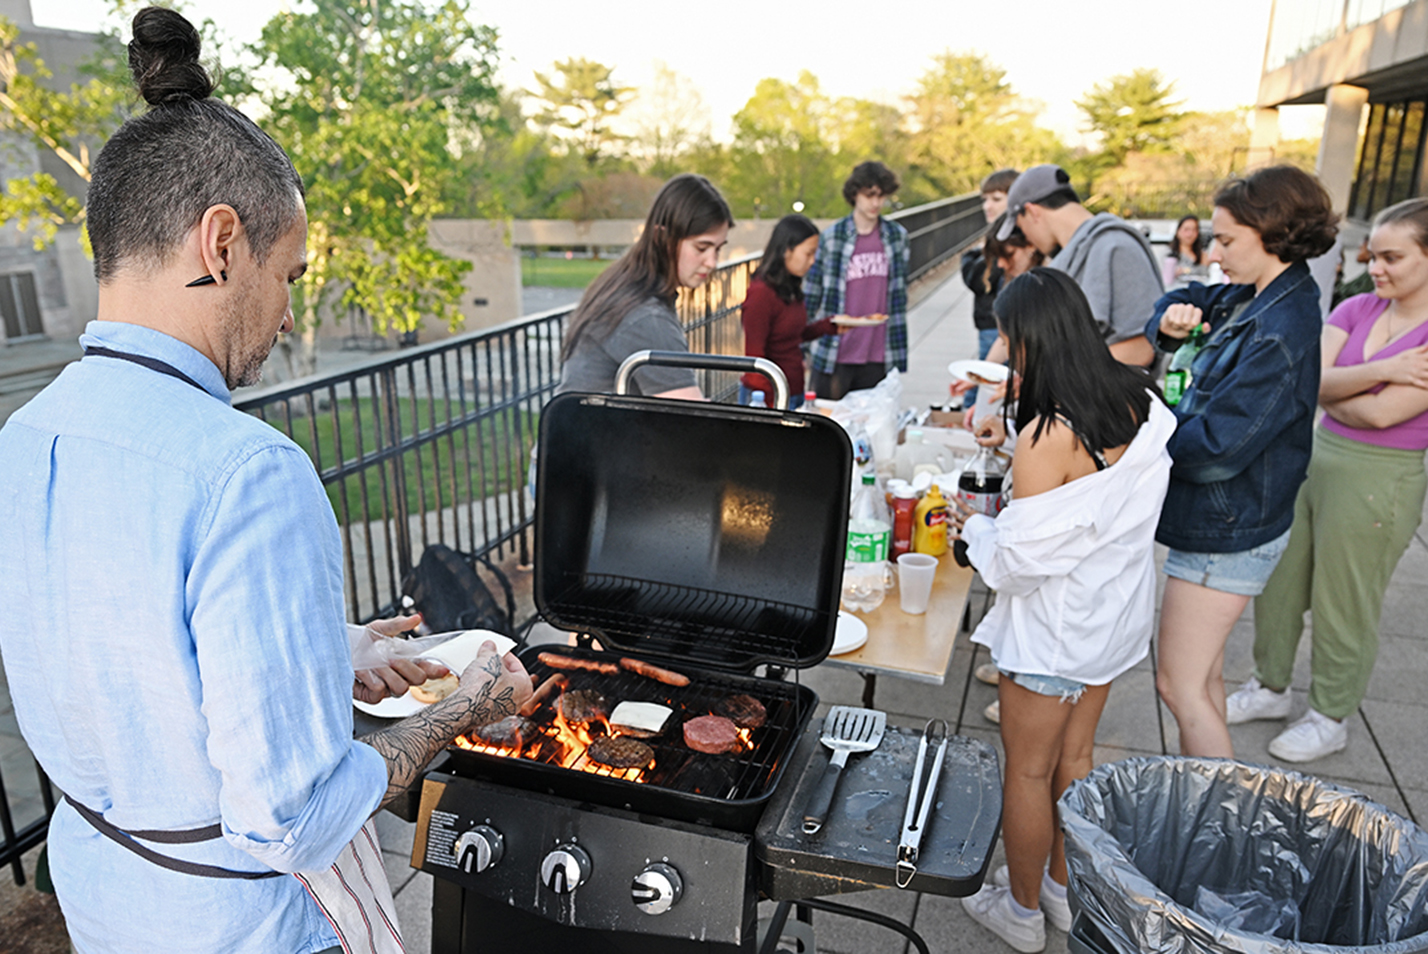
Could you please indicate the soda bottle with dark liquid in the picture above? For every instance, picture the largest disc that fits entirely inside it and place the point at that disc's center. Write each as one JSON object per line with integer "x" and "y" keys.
{"x": 981, "y": 483}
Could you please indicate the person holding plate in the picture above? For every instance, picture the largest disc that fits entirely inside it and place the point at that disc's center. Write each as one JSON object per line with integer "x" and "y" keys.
{"x": 188, "y": 681}
{"x": 860, "y": 272}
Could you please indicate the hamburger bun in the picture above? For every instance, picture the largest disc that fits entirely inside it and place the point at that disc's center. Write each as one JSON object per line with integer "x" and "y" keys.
{"x": 435, "y": 690}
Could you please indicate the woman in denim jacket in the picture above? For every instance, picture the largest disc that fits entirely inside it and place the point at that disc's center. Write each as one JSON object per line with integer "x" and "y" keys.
{"x": 1245, "y": 431}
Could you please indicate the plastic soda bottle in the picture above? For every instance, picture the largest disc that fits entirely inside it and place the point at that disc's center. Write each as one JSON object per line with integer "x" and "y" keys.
{"x": 1178, "y": 377}
{"x": 757, "y": 400}
{"x": 865, "y": 566}
{"x": 981, "y": 483}
{"x": 929, "y": 522}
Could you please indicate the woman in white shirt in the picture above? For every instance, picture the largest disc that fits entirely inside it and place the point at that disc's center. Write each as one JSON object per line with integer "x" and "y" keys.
{"x": 1071, "y": 561}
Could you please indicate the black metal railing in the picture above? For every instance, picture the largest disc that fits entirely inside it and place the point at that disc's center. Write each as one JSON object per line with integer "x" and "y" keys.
{"x": 938, "y": 230}
{"x": 18, "y": 840}
{"x": 432, "y": 444}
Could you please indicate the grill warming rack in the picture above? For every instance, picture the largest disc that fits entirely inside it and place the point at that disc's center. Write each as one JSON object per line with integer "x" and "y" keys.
{"x": 689, "y": 623}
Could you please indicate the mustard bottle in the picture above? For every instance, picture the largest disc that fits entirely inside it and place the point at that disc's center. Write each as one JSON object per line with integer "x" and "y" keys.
{"x": 929, "y": 521}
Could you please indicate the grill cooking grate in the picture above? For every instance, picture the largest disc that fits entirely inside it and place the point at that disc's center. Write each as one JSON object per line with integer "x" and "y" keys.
{"x": 736, "y": 776}
{"x": 686, "y": 622}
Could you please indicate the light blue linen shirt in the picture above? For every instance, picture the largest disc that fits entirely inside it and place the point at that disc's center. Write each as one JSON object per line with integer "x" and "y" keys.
{"x": 176, "y": 652}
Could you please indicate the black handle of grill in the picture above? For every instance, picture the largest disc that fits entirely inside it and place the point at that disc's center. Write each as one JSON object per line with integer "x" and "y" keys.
{"x": 817, "y": 811}
{"x": 705, "y": 362}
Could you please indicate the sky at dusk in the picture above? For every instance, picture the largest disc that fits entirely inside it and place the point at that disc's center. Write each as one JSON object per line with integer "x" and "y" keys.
{"x": 1052, "y": 51}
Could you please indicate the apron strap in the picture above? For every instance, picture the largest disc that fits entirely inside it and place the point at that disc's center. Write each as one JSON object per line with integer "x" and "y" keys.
{"x": 126, "y": 839}
{"x": 153, "y": 364}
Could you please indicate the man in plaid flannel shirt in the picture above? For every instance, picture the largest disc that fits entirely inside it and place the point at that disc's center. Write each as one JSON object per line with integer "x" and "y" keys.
{"x": 860, "y": 271}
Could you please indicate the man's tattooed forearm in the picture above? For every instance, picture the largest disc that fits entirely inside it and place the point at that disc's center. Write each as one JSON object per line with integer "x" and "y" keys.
{"x": 410, "y": 745}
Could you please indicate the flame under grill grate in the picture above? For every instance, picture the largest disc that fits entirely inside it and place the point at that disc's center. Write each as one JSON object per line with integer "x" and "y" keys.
{"x": 746, "y": 774}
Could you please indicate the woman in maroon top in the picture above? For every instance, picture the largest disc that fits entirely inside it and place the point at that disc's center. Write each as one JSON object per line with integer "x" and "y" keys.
{"x": 775, "y": 320}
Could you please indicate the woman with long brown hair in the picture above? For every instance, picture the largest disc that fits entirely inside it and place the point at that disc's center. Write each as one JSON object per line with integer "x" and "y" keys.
{"x": 630, "y": 307}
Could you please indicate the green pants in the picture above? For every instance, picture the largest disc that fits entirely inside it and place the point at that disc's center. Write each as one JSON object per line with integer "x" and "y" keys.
{"x": 1353, "y": 519}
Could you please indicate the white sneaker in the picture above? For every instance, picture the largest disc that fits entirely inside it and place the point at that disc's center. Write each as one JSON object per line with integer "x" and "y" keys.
{"x": 1253, "y": 701}
{"x": 993, "y": 712}
{"x": 988, "y": 673}
{"x": 1057, "y": 910}
{"x": 991, "y": 908}
{"x": 1311, "y": 737}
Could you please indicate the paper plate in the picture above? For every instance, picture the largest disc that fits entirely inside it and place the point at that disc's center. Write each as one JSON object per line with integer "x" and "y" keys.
{"x": 455, "y": 654}
{"x": 989, "y": 370}
{"x": 851, "y": 634}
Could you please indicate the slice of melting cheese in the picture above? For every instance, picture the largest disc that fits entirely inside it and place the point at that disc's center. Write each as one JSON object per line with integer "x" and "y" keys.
{"x": 639, "y": 718}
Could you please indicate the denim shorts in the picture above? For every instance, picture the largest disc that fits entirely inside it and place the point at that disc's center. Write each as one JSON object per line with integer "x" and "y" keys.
{"x": 1243, "y": 573}
{"x": 1068, "y": 690}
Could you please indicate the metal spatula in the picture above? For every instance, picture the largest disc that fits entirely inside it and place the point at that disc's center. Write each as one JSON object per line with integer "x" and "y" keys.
{"x": 846, "y": 730}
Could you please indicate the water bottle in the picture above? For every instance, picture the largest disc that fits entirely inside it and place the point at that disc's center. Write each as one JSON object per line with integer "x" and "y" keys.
{"x": 865, "y": 570}
{"x": 1178, "y": 377}
{"x": 757, "y": 400}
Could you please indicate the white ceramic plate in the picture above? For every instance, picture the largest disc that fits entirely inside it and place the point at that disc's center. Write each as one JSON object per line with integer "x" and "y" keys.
{"x": 867, "y": 321}
{"x": 851, "y": 634}
{"x": 455, "y": 654}
{"x": 987, "y": 370}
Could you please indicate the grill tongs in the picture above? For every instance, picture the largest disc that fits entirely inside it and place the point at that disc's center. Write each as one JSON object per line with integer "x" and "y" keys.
{"x": 914, "y": 820}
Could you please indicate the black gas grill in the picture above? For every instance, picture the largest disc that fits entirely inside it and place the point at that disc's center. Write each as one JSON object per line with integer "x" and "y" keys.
{"x": 707, "y": 540}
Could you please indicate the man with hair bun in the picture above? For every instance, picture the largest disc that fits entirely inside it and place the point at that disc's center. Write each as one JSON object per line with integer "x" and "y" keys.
{"x": 183, "y": 671}
{"x": 860, "y": 271}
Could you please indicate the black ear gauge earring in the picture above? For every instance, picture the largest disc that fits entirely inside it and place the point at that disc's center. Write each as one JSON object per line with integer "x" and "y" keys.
{"x": 207, "y": 280}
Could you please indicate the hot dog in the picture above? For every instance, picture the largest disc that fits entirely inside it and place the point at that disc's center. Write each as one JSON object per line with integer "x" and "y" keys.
{"x": 557, "y": 661}
{"x": 547, "y": 689}
{"x": 667, "y": 676}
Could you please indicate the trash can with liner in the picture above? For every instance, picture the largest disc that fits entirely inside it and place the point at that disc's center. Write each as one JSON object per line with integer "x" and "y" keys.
{"x": 1181, "y": 855}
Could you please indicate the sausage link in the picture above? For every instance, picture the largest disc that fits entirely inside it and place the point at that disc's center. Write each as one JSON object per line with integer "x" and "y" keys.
{"x": 557, "y": 661}
{"x": 667, "y": 676}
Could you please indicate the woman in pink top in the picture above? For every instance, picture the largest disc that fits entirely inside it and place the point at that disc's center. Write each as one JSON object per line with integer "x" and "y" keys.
{"x": 1362, "y": 502}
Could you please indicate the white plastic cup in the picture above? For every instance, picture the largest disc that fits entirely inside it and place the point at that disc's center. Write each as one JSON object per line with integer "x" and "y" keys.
{"x": 915, "y": 572}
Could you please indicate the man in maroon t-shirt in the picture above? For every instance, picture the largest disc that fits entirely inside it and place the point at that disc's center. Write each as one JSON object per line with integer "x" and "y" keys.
{"x": 860, "y": 271}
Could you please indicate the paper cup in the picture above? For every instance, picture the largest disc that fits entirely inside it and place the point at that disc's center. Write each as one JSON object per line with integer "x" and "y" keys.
{"x": 915, "y": 572}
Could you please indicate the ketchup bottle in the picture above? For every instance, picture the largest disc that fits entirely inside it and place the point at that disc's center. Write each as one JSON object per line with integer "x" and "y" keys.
{"x": 903, "y": 504}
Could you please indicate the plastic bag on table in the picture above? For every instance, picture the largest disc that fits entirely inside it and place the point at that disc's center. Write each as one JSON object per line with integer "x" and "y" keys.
{"x": 876, "y": 410}
{"x": 1144, "y": 834}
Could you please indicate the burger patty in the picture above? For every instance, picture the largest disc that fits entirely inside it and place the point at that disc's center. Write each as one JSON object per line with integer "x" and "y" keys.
{"x": 620, "y": 752}
{"x": 512, "y": 732}
{"x": 711, "y": 734}
{"x": 744, "y": 711}
{"x": 583, "y": 705}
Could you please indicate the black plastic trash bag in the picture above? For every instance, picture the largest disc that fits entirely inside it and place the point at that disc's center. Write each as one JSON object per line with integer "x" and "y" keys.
{"x": 1144, "y": 835}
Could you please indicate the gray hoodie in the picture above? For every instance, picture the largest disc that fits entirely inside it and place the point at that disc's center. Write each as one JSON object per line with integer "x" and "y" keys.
{"x": 1115, "y": 267}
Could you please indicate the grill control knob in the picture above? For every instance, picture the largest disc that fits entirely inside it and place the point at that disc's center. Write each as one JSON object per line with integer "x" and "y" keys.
{"x": 479, "y": 849}
{"x": 565, "y": 869}
{"x": 657, "y": 889}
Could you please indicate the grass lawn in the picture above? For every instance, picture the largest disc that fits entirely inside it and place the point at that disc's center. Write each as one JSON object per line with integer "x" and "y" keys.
{"x": 561, "y": 272}
{"x": 441, "y": 463}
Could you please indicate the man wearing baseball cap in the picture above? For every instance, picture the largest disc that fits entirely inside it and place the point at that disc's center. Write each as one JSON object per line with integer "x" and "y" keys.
{"x": 1110, "y": 260}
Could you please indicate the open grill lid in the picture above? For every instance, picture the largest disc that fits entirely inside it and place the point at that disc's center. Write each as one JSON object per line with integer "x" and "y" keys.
{"x": 692, "y": 532}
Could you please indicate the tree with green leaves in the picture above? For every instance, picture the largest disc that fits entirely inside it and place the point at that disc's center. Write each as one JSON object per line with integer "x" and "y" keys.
{"x": 368, "y": 96}
{"x": 670, "y": 120}
{"x": 783, "y": 151}
{"x": 967, "y": 121}
{"x": 1133, "y": 112}
{"x": 70, "y": 125}
{"x": 582, "y": 99}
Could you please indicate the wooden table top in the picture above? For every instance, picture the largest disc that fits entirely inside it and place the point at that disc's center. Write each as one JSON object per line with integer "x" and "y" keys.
{"x": 914, "y": 647}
